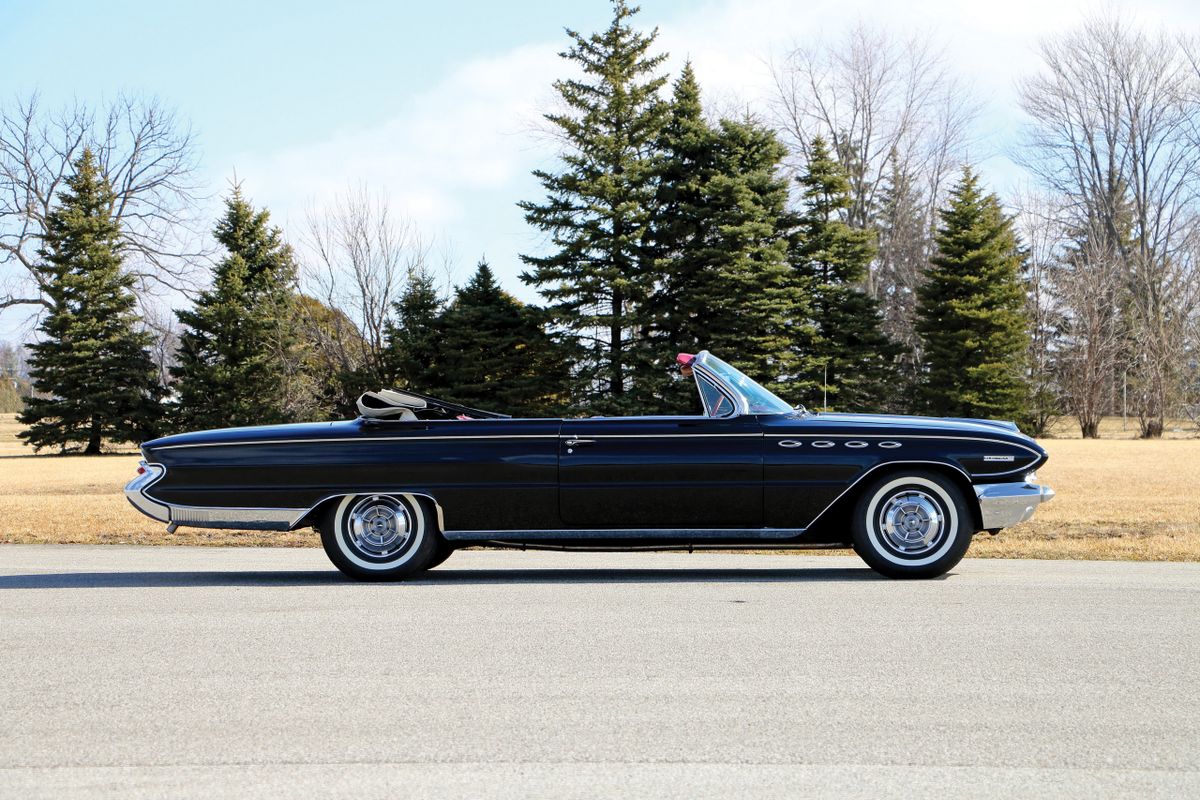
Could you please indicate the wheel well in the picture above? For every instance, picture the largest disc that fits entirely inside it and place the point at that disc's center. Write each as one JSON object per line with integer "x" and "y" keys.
{"x": 835, "y": 521}
{"x": 314, "y": 514}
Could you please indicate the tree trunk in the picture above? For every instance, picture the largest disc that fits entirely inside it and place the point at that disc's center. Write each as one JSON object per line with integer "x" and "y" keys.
{"x": 93, "y": 445}
{"x": 615, "y": 355}
{"x": 1089, "y": 429}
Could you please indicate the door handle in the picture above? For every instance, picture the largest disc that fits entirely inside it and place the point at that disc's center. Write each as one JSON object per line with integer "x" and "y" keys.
{"x": 578, "y": 442}
{"x": 790, "y": 443}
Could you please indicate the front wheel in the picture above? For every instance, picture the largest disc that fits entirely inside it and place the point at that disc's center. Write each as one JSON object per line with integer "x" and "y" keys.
{"x": 916, "y": 525}
{"x": 379, "y": 537}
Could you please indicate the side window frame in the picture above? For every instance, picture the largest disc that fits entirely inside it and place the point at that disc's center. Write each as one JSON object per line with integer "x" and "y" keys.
{"x": 701, "y": 382}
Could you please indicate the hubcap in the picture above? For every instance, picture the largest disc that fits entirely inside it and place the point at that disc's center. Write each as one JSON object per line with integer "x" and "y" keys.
{"x": 379, "y": 526}
{"x": 912, "y": 522}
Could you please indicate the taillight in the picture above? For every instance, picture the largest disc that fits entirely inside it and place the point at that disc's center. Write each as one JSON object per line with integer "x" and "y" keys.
{"x": 141, "y": 470}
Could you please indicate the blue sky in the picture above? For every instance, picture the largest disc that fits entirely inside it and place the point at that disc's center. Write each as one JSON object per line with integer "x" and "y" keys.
{"x": 436, "y": 104}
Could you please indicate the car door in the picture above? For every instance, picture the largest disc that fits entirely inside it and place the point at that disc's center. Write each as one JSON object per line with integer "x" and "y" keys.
{"x": 661, "y": 473}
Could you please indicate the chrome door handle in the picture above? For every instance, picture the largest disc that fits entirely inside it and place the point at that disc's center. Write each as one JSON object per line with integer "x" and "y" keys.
{"x": 577, "y": 442}
{"x": 790, "y": 443}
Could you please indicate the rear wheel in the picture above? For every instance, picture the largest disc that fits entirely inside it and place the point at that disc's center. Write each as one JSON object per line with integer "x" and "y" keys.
{"x": 444, "y": 551}
{"x": 916, "y": 525}
{"x": 379, "y": 537}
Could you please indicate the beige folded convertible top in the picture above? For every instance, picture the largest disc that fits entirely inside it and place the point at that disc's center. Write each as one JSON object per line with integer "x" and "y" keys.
{"x": 389, "y": 404}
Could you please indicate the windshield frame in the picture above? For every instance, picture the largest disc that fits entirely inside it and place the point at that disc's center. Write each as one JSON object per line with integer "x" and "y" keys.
{"x": 749, "y": 396}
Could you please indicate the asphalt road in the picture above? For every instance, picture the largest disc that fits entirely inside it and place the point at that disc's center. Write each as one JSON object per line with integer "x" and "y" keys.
{"x": 150, "y": 672}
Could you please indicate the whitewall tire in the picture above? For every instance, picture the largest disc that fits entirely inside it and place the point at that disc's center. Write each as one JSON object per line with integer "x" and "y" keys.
{"x": 912, "y": 525}
{"x": 379, "y": 536}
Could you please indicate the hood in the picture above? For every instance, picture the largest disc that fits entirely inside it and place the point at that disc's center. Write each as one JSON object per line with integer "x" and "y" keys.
{"x": 960, "y": 425}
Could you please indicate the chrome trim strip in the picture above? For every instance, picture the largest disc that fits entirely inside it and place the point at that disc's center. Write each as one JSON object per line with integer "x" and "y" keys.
{"x": 451, "y": 438}
{"x": 683, "y": 534}
{"x": 361, "y": 439}
{"x": 1004, "y": 504}
{"x": 265, "y": 519}
{"x": 661, "y": 435}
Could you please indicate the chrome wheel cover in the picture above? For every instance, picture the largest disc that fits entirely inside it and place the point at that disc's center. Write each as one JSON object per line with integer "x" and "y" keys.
{"x": 379, "y": 526}
{"x": 912, "y": 522}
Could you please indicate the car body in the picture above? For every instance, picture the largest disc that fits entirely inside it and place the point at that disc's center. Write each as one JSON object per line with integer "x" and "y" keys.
{"x": 750, "y": 472}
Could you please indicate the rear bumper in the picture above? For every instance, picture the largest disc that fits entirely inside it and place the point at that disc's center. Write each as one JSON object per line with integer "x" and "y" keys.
{"x": 1004, "y": 504}
{"x": 271, "y": 519}
{"x": 135, "y": 492}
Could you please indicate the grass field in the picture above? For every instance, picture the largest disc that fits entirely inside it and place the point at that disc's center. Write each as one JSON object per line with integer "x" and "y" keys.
{"x": 1117, "y": 499}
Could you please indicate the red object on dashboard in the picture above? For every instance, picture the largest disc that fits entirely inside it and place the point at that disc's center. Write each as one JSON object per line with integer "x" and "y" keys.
{"x": 685, "y": 358}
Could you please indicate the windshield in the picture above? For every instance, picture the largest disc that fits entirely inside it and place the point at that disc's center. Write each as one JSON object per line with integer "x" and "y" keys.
{"x": 760, "y": 399}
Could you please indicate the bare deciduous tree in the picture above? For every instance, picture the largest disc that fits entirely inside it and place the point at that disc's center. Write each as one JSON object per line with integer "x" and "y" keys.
{"x": 899, "y": 123}
{"x": 147, "y": 153}
{"x": 1039, "y": 225}
{"x": 361, "y": 255}
{"x": 1113, "y": 116}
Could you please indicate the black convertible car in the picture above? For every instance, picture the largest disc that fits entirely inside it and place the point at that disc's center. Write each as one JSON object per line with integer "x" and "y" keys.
{"x": 398, "y": 489}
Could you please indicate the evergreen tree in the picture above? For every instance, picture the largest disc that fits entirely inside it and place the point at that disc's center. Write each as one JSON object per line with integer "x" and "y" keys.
{"x": 93, "y": 370}
{"x": 414, "y": 338}
{"x": 237, "y": 354}
{"x": 495, "y": 353}
{"x": 755, "y": 306}
{"x": 855, "y": 360}
{"x": 675, "y": 317}
{"x": 721, "y": 238}
{"x": 971, "y": 311}
{"x": 598, "y": 207}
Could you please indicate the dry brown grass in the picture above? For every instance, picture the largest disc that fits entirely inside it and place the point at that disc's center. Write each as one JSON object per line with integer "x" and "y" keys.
{"x": 78, "y": 500}
{"x": 1117, "y": 428}
{"x": 1117, "y": 499}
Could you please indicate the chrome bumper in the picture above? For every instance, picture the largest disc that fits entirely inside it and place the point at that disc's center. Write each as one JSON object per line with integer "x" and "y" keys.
{"x": 272, "y": 519}
{"x": 136, "y": 488}
{"x": 1005, "y": 504}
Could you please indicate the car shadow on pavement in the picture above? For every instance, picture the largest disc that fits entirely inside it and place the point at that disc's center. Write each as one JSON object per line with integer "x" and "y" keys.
{"x": 277, "y": 578}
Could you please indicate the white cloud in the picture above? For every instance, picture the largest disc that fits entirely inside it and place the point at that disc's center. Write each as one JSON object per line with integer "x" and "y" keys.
{"x": 461, "y": 135}
{"x": 456, "y": 156}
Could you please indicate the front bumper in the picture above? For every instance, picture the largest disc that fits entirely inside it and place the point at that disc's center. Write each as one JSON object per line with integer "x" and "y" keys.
{"x": 1004, "y": 504}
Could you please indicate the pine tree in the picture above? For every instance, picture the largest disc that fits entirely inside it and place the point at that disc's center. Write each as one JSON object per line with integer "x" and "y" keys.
{"x": 495, "y": 353}
{"x": 755, "y": 306}
{"x": 239, "y": 346}
{"x": 598, "y": 207}
{"x": 720, "y": 237}
{"x": 93, "y": 370}
{"x": 971, "y": 311}
{"x": 855, "y": 360}
{"x": 414, "y": 339}
{"x": 674, "y": 312}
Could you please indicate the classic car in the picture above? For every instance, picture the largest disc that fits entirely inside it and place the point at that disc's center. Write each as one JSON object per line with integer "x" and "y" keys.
{"x": 396, "y": 490}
